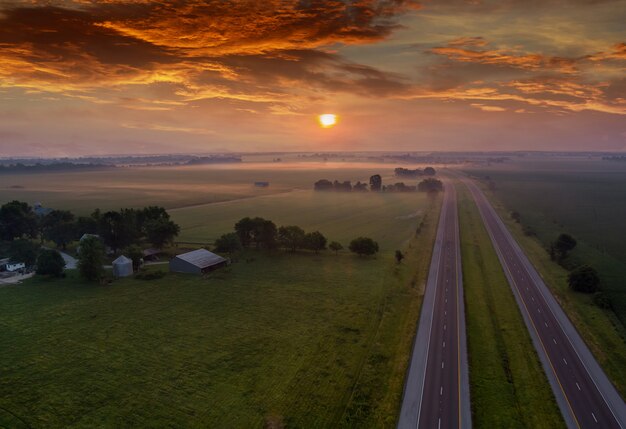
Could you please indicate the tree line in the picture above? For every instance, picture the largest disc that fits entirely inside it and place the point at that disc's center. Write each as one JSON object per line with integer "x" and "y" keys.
{"x": 125, "y": 229}
{"x": 406, "y": 172}
{"x": 262, "y": 233}
{"x": 430, "y": 185}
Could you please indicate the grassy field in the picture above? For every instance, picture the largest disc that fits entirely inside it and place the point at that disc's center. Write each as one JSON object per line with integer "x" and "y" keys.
{"x": 171, "y": 187}
{"x": 586, "y": 200}
{"x": 306, "y": 340}
{"x": 508, "y": 385}
{"x": 388, "y": 218}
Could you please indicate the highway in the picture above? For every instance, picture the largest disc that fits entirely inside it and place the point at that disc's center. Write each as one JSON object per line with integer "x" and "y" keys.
{"x": 436, "y": 393}
{"x": 585, "y": 395}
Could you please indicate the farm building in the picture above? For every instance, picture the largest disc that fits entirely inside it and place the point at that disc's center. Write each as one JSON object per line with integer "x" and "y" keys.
{"x": 15, "y": 266}
{"x": 41, "y": 210}
{"x": 262, "y": 184}
{"x": 151, "y": 254}
{"x": 197, "y": 262}
{"x": 123, "y": 267}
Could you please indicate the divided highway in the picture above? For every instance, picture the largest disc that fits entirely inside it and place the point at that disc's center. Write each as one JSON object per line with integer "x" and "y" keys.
{"x": 436, "y": 393}
{"x": 585, "y": 395}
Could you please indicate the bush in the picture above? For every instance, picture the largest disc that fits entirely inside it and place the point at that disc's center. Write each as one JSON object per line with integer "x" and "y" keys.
{"x": 363, "y": 246}
{"x": 584, "y": 279}
{"x": 228, "y": 243}
{"x": 50, "y": 263}
{"x": 91, "y": 259}
{"x": 602, "y": 300}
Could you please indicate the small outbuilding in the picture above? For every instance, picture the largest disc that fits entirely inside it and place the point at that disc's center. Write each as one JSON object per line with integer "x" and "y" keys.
{"x": 123, "y": 267}
{"x": 197, "y": 262}
{"x": 262, "y": 184}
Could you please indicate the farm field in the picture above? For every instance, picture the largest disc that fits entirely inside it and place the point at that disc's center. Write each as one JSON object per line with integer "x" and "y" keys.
{"x": 299, "y": 339}
{"x": 127, "y": 187}
{"x": 508, "y": 385}
{"x": 587, "y": 200}
{"x": 387, "y": 218}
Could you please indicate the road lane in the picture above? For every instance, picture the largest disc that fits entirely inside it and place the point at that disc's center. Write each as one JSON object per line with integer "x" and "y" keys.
{"x": 585, "y": 396}
{"x": 436, "y": 392}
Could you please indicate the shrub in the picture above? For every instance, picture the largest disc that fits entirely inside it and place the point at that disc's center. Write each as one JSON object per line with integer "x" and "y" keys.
{"x": 584, "y": 279}
{"x": 363, "y": 246}
{"x": 50, "y": 262}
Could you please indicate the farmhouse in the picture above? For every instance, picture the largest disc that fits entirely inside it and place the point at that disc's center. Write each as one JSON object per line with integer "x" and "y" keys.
{"x": 197, "y": 262}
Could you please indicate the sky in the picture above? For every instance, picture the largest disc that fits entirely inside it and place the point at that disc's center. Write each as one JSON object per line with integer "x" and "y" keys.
{"x": 81, "y": 77}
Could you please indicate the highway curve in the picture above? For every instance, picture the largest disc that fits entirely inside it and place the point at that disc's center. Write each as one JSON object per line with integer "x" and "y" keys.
{"x": 436, "y": 393}
{"x": 585, "y": 395}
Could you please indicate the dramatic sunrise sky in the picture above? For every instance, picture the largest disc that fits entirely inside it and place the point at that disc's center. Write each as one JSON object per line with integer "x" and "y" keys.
{"x": 110, "y": 77}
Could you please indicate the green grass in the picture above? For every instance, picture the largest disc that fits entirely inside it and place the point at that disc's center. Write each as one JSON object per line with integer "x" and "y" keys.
{"x": 507, "y": 383}
{"x": 307, "y": 340}
{"x": 563, "y": 204}
{"x": 387, "y": 218}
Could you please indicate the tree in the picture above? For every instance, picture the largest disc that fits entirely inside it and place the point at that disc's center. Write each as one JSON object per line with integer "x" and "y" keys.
{"x": 244, "y": 229}
{"x": 17, "y": 219}
{"x": 399, "y": 256}
{"x": 335, "y": 247}
{"x": 23, "y": 250}
{"x": 315, "y": 241}
{"x": 59, "y": 226}
{"x": 135, "y": 253}
{"x": 363, "y": 246}
{"x": 265, "y": 234}
{"x": 150, "y": 213}
{"x": 516, "y": 217}
{"x": 50, "y": 263}
{"x": 228, "y": 243}
{"x": 429, "y": 171}
{"x": 584, "y": 279}
{"x": 430, "y": 185}
{"x": 291, "y": 237}
{"x": 161, "y": 231}
{"x": 323, "y": 185}
{"x": 376, "y": 183}
{"x": 119, "y": 229}
{"x": 91, "y": 259}
{"x": 563, "y": 245}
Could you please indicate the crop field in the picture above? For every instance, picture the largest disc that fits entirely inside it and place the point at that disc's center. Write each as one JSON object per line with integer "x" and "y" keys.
{"x": 588, "y": 201}
{"x": 277, "y": 338}
{"x": 387, "y": 218}
{"x": 508, "y": 385}
{"x": 170, "y": 187}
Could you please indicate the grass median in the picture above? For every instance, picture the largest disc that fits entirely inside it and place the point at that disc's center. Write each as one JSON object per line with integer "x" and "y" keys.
{"x": 508, "y": 385}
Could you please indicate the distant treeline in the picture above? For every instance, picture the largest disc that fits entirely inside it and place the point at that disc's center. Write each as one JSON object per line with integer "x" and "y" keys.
{"x": 621, "y": 158}
{"x": 109, "y": 161}
{"x": 376, "y": 185}
{"x": 405, "y": 172}
{"x": 59, "y": 166}
{"x": 213, "y": 160}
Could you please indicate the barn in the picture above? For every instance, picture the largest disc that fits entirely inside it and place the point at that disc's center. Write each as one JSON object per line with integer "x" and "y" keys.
{"x": 197, "y": 262}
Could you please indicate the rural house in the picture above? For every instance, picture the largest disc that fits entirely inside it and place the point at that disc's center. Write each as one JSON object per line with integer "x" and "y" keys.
{"x": 197, "y": 262}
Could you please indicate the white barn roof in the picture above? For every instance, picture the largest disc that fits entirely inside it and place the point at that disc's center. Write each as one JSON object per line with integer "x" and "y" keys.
{"x": 201, "y": 258}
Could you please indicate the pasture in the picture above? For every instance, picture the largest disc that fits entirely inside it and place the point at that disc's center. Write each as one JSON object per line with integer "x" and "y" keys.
{"x": 588, "y": 200}
{"x": 277, "y": 338}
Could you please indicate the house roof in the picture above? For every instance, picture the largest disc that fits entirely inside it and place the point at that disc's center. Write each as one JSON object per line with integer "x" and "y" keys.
{"x": 201, "y": 258}
{"x": 123, "y": 260}
{"x": 151, "y": 252}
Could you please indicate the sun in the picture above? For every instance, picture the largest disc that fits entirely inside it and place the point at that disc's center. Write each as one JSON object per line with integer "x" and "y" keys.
{"x": 327, "y": 120}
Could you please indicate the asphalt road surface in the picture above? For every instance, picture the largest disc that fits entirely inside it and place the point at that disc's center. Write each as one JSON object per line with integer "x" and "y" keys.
{"x": 436, "y": 393}
{"x": 586, "y": 397}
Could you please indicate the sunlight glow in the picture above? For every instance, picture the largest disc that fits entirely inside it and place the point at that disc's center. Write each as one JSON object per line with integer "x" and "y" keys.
{"x": 327, "y": 120}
